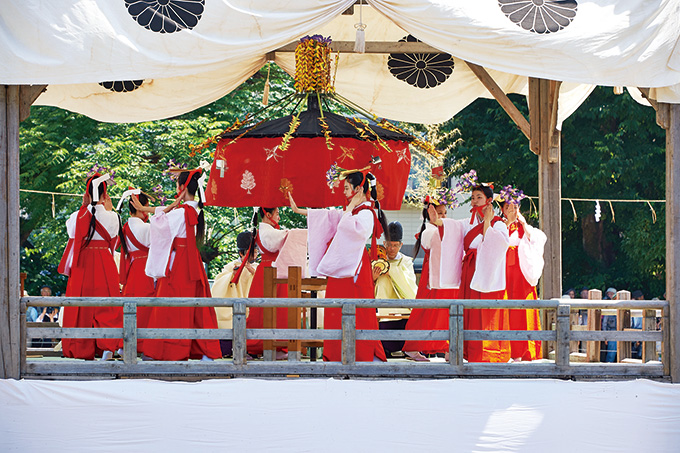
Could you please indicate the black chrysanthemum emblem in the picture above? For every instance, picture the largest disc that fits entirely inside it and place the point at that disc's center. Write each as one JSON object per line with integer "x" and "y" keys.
{"x": 166, "y": 16}
{"x": 122, "y": 86}
{"x": 422, "y": 70}
{"x": 540, "y": 16}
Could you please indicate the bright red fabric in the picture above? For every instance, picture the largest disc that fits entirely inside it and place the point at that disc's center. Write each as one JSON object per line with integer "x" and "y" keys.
{"x": 137, "y": 283}
{"x": 366, "y": 319}
{"x": 256, "y": 171}
{"x": 429, "y": 318}
{"x": 482, "y": 319}
{"x": 256, "y": 314}
{"x": 518, "y": 288}
{"x": 186, "y": 278}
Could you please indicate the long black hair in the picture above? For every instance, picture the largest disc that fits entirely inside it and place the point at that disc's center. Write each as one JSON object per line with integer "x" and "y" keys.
{"x": 370, "y": 184}
{"x": 426, "y": 219}
{"x": 93, "y": 204}
{"x": 192, "y": 188}
{"x": 257, "y": 215}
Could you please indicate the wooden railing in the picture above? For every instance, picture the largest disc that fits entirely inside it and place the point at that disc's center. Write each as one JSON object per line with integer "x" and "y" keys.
{"x": 132, "y": 366}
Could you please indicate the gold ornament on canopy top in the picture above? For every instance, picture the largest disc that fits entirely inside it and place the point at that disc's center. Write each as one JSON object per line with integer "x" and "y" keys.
{"x": 313, "y": 65}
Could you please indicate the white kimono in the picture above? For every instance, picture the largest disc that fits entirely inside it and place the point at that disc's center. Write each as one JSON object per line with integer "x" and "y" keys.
{"x": 446, "y": 253}
{"x": 347, "y": 235}
{"x": 165, "y": 227}
{"x": 492, "y": 249}
{"x": 108, "y": 219}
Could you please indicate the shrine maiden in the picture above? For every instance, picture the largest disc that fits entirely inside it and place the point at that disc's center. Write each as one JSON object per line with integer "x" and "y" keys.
{"x": 337, "y": 250}
{"x": 134, "y": 256}
{"x": 442, "y": 241}
{"x": 483, "y": 276}
{"x": 88, "y": 262}
{"x": 175, "y": 261}
{"x": 524, "y": 266}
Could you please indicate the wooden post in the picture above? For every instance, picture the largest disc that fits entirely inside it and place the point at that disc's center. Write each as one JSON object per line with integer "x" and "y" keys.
{"x": 623, "y": 348}
{"x": 673, "y": 236}
{"x": 545, "y": 141}
{"x": 15, "y": 102}
{"x": 594, "y": 323}
{"x": 456, "y": 332}
{"x": 269, "y": 313}
{"x": 130, "y": 333}
{"x": 349, "y": 334}
{"x": 239, "y": 333}
{"x": 22, "y": 336}
{"x": 649, "y": 325}
{"x": 9, "y": 232}
{"x": 562, "y": 327}
{"x": 294, "y": 313}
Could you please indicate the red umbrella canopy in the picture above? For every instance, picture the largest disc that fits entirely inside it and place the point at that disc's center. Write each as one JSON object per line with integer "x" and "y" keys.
{"x": 253, "y": 171}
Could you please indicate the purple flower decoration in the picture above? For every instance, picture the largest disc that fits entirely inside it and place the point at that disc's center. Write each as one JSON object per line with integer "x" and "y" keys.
{"x": 511, "y": 195}
{"x": 160, "y": 194}
{"x": 318, "y": 38}
{"x": 467, "y": 181}
{"x": 447, "y": 197}
{"x": 96, "y": 168}
{"x": 333, "y": 175}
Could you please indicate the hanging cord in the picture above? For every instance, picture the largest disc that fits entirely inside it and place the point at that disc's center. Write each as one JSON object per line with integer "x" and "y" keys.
{"x": 360, "y": 42}
{"x": 653, "y": 212}
{"x": 611, "y": 207}
{"x": 573, "y": 209}
{"x": 54, "y": 213}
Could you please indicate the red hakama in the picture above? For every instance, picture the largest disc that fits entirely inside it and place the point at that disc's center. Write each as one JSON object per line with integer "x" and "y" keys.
{"x": 92, "y": 273}
{"x": 185, "y": 278}
{"x": 366, "y": 319}
{"x": 256, "y": 314}
{"x": 135, "y": 282}
{"x": 518, "y": 288}
{"x": 482, "y": 319}
{"x": 429, "y": 318}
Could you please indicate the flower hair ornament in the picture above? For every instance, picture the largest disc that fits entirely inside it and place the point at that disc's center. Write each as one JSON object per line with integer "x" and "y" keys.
{"x": 129, "y": 192}
{"x": 512, "y": 195}
{"x": 335, "y": 174}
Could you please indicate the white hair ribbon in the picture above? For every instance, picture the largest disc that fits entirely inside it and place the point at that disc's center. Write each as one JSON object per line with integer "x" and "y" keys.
{"x": 95, "y": 186}
{"x": 203, "y": 180}
{"x": 126, "y": 194}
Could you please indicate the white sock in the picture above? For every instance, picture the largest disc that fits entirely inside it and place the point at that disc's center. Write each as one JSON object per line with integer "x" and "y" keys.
{"x": 205, "y": 358}
{"x": 107, "y": 355}
{"x": 120, "y": 352}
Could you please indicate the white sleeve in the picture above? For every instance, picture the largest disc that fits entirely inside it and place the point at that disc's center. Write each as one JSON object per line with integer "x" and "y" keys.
{"x": 71, "y": 225}
{"x": 446, "y": 255}
{"x": 491, "y": 257}
{"x": 344, "y": 254}
{"x": 530, "y": 253}
{"x": 426, "y": 235}
{"x": 160, "y": 244}
{"x": 321, "y": 227}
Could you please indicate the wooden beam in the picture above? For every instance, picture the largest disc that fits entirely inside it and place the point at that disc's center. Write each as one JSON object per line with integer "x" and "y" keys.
{"x": 501, "y": 97}
{"x": 382, "y": 47}
{"x": 673, "y": 236}
{"x": 27, "y": 96}
{"x": 5, "y": 350}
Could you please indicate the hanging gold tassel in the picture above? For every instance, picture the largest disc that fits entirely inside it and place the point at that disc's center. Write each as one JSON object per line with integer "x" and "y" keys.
{"x": 265, "y": 94}
{"x": 611, "y": 207}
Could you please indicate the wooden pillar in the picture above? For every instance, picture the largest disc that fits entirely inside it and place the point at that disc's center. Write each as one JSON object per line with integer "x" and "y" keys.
{"x": 15, "y": 103}
{"x": 546, "y": 142}
{"x": 9, "y": 232}
{"x": 673, "y": 233}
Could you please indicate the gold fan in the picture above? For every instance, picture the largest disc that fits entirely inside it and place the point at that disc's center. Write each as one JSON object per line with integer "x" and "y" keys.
{"x": 381, "y": 264}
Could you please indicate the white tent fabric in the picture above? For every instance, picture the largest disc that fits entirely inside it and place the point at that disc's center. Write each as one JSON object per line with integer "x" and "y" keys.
{"x": 339, "y": 415}
{"x": 211, "y": 46}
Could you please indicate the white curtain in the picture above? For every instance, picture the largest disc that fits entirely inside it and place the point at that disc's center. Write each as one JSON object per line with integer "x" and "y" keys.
{"x": 211, "y": 46}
